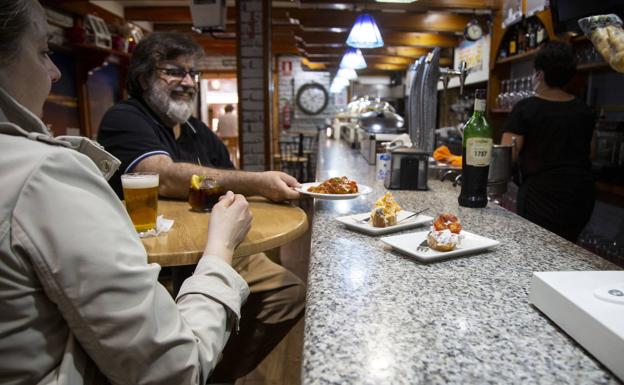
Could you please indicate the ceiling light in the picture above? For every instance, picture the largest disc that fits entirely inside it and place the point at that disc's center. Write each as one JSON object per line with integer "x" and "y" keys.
{"x": 364, "y": 33}
{"x": 396, "y": 1}
{"x": 353, "y": 59}
{"x": 347, "y": 73}
{"x": 338, "y": 81}
{"x": 335, "y": 89}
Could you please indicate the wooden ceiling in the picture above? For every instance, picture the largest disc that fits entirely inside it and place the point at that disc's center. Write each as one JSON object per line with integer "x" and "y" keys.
{"x": 318, "y": 29}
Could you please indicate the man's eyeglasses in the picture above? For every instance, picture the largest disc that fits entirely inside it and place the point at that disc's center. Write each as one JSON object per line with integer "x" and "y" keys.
{"x": 179, "y": 74}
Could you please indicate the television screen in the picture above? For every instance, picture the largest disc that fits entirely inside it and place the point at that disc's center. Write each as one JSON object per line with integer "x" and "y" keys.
{"x": 567, "y": 12}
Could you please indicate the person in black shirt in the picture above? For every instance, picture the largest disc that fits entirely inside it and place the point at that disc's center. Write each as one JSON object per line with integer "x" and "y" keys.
{"x": 154, "y": 131}
{"x": 553, "y": 133}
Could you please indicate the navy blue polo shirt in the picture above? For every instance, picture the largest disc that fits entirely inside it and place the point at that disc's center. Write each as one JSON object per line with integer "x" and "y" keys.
{"x": 131, "y": 131}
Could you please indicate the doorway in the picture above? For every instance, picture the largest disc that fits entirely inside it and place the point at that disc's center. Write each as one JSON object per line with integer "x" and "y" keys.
{"x": 217, "y": 92}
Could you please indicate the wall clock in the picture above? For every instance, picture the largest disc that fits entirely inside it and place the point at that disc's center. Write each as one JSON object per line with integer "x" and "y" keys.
{"x": 312, "y": 98}
{"x": 473, "y": 30}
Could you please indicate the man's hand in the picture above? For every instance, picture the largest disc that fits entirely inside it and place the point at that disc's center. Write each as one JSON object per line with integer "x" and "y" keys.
{"x": 230, "y": 222}
{"x": 277, "y": 186}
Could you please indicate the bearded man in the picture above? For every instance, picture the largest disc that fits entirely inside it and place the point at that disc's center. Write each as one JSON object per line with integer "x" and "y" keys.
{"x": 153, "y": 131}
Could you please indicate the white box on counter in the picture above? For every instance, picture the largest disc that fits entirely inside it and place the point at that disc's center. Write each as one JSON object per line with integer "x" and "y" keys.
{"x": 588, "y": 306}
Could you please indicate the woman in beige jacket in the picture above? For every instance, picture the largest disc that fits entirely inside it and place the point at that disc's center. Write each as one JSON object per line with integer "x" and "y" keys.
{"x": 79, "y": 304}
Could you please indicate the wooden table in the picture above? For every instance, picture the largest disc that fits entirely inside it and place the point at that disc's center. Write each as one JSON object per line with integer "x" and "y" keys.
{"x": 273, "y": 225}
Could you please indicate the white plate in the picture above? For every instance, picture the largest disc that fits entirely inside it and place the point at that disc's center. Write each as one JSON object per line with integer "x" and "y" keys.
{"x": 362, "y": 190}
{"x": 354, "y": 222}
{"x": 407, "y": 244}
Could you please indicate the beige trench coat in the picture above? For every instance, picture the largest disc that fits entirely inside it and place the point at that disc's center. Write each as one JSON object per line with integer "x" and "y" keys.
{"x": 79, "y": 304}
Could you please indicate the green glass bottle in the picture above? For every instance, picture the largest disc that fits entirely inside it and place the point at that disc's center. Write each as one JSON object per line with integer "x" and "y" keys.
{"x": 476, "y": 152}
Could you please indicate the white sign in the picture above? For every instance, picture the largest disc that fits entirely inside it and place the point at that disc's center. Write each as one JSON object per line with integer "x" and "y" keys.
{"x": 512, "y": 12}
{"x": 535, "y": 6}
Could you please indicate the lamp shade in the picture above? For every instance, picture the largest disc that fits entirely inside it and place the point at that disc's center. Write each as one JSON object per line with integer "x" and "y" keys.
{"x": 347, "y": 73}
{"x": 336, "y": 88}
{"x": 338, "y": 81}
{"x": 364, "y": 33}
{"x": 353, "y": 59}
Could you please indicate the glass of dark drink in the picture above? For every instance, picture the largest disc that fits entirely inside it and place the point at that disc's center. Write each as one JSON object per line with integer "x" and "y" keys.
{"x": 204, "y": 193}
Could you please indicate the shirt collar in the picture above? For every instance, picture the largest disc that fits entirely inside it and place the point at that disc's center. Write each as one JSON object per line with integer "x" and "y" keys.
{"x": 142, "y": 105}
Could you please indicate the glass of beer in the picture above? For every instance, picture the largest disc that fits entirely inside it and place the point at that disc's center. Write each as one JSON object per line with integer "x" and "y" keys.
{"x": 141, "y": 195}
{"x": 204, "y": 193}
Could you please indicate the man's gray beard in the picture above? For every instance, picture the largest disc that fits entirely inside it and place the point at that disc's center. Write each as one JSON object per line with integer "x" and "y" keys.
{"x": 178, "y": 111}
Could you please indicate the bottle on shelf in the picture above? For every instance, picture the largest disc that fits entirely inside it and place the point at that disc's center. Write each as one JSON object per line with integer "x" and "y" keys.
{"x": 532, "y": 35}
{"x": 527, "y": 36}
{"x": 521, "y": 45}
{"x": 540, "y": 34}
{"x": 502, "y": 52}
{"x": 477, "y": 153}
{"x": 513, "y": 41}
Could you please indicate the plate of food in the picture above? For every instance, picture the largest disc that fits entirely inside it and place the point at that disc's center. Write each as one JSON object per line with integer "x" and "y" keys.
{"x": 385, "y": 217}
{"x": 445, "y": 239}
{"x": 334, "y": 188}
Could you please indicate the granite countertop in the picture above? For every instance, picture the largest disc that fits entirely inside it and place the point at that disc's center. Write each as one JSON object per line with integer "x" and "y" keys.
{"x": 375, "y": 316}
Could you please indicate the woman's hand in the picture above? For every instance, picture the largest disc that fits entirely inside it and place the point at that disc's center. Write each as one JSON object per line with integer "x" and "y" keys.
{"x": 230, "y": 221}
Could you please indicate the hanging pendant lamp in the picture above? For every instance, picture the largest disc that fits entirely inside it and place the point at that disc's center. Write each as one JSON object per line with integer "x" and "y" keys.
{"x": 347, "y": 73}
{"x": 364, "y": 33}
{"x": 353, "y": 59}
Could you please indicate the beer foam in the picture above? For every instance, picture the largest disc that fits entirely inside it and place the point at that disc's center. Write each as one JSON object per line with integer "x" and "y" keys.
{"x": 139, "y": 181}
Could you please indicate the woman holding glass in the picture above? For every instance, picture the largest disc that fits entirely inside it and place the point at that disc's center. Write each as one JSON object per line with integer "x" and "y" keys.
{"x": 78, "y": 302}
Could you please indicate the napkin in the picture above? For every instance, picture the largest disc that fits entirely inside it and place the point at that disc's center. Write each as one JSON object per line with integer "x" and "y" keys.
{"x": 162, "y": 226}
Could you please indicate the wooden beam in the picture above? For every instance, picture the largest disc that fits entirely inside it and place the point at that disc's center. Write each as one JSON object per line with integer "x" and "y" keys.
{"x": 387, "y": 67}
{"x": 421, "y": 5}
{"x": 167, "y": 14}
{"x": 377, "y": 65}
{"x": 182, "y": 14}
{"x": 406, "y": 21}
{"x": 185, "y": 27}
{"x": 409, "y": 52}
{"x": 312, "y": 65}
{"x": 369, "y": 58}
{"x": 409, "y": 39}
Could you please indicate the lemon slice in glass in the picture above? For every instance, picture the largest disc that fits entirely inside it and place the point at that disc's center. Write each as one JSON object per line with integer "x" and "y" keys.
{"x": 196, "y": 181}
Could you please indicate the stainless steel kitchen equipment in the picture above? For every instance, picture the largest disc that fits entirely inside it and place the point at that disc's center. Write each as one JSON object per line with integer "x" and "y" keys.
{"x": 423, "y": 98}
{"x": 370, "y": 144}
{"x": 500, "y": 169}
{"x": 408, "y": 169}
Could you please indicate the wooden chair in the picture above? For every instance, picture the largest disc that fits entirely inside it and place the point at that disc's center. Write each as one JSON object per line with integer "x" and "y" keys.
{"x": 231, "y": 142}
{"x": 310, "y": 151}
{"x": 292, "y": 160}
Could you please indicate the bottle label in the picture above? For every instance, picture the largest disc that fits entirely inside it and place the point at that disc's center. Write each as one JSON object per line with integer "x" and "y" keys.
{"x": 479, "y": 105}
{"x": 478, "y": 151}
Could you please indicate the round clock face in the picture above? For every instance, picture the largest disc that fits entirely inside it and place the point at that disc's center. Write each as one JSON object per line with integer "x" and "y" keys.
{"x": 312, "y": 98}
{"x": 473, "y": 31}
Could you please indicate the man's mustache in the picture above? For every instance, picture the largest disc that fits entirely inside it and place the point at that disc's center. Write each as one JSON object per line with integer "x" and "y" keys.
{"x": 189, "y": 91}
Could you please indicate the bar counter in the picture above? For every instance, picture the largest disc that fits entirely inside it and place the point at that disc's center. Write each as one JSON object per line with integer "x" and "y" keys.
{"x": 375, "y": 316}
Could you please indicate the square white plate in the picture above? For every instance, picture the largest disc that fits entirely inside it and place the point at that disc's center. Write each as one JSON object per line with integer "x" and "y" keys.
{"x": 408, "y": 243}
{"x": 354, "y": 222}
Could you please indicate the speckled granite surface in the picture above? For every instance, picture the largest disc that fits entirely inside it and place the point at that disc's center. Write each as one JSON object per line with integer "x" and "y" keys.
{"x": 375, "y": 316}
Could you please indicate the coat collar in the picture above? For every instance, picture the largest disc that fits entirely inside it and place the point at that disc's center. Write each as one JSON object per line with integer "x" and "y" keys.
{"x": 13, "y": 112}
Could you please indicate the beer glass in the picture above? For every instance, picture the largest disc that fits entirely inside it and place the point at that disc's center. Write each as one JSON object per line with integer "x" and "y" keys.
{"x": 141, "y": 195}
